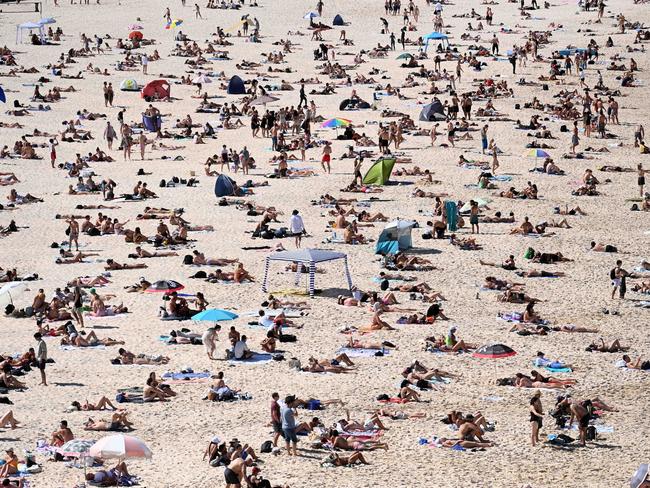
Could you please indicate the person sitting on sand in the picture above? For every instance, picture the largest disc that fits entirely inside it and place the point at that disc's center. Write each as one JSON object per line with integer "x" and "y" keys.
{"x": 62, "y": 435}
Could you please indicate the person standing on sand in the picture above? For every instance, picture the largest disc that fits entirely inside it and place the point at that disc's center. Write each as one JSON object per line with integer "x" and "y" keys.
{"x": 144, "y": 60}
{"x": 109, "y": 135}
{"x": 618, "y": 275}
{"x": 303, "y": 97}
{"x": 41, "y": 356}
{"x": 297, "y": 227}
{"x": 640, "y": 180}
{"x": 73, "y": 230}
{"x": 209, "y": 339}
{"x": 53, "y": 143}
{"x": 473, "y": 216}
{"x": 276, "y": 420}
{"x": 197, "y": 11}
{"x": 289, "y": 425}
{"x": 536, "y": 417}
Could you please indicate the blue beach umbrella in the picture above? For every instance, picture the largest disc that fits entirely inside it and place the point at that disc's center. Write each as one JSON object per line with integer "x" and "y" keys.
{"x": 214, "y": 315}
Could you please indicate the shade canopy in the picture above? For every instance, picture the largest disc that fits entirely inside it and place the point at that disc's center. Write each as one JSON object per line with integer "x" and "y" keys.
{"x": 309, "y": 257}
{"x": 165, "y": 286}
{"x": 120, "y": 446}
{"x": 214, "y": 315}
{"x": 379, "y": 173}
{"x": 434, "y": 36}
{"x": 640, "y": 476}
{"x": 494, "y": 351}
{"x": 395, "y": 237}
{"x": 537, "y": 153}
{"x": 75, "y": 447}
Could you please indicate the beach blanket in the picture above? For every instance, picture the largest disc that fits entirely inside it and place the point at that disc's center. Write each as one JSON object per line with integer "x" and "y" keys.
{"x": 75, "y": 348}
{"x": 258, "y": 357}
{"x": 355, "y": 352}
{"x": 186, "y": 376}
{"x": 452, "y": 215}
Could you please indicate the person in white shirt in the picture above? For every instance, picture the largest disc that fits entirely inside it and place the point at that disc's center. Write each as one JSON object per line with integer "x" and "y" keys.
{"x": 145, "y": 61}
{"x": 241, "y": 351}
{"x": 297, "y": 227}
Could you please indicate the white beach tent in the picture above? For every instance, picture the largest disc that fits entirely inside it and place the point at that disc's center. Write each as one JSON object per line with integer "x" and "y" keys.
{"x": 307, "y": 257}
{"x": 29, "y": 26}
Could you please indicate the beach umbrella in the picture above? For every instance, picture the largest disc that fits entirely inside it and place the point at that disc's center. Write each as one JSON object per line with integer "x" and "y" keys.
{"x": 75, "y": 448}
{"x": 640, "y": 476}
{"x": 120, "y": 446}
{"x": 214, "y": 315}
{"x": 494, "y": 351}
{"x": 482, "y": 202}
{"x": 174, "y": 24}
{"x": 263, "y": 100}
{"x": 136, "y": 27}
{"x": 47, "y": 20}
{"x": 404, "y": 56}
{"x": 9, "y": 291}
{"x": 310, "y": 15}
{"x": 3, "y": 97}
{"x": 136, "y": 35}
{"x": 537, "y": 153}
{"x": 202, "y": 79}
{"x": 335, "y": 123}
{"x": 165, "y": 286}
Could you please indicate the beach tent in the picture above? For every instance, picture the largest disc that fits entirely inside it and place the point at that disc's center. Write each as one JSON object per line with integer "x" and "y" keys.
{"x": 129, "y": 84}
{"x": 157, "y": 89}
{"x": 395, "y": 237}
{"x": 379, "y": 173}
{"x": 152, "y": 124}
{"x": 224, "y": 186}
{"x": 236, "y": 86}
{"x": 308, "y": 257}
{"x": 338, "y": 20}
{"x": 29, "y": 26}
{"x": 435, "y": 36}
{"x": 433, "y": 111}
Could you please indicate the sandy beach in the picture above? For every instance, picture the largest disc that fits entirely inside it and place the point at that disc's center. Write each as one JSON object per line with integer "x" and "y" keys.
{"x": 179, "y": 430}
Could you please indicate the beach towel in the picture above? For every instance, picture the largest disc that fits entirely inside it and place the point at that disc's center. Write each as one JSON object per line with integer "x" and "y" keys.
{"x": 75, "y": 348}
{"x": 452, "y": 215}
{"x": 355, "y": 352}
{"x": 186, "y": 376}
{"x": 257, "y": 357}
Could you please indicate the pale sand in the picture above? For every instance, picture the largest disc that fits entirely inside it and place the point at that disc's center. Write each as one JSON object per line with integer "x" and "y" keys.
{"x": 178, "y": 431}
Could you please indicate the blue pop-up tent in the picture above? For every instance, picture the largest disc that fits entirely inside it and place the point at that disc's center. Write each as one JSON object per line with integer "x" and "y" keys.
{"x": 395, "y": 237}
{"x": 224, "y": 186}
{"x": 435, "y": 36}
{"x": 236, "y": 86}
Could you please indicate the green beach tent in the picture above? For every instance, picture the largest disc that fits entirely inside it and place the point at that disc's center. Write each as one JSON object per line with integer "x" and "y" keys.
{"x": 379, "y": 173}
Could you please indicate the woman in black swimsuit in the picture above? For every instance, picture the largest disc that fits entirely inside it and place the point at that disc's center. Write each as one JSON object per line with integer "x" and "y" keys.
{"x": 536, "y": 416}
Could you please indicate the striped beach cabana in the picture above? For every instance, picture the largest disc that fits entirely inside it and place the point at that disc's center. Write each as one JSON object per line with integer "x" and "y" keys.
{"x": 308, "y": 257}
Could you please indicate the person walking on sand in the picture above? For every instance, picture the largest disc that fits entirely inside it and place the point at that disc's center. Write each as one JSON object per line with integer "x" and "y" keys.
{"x": 327, "y": 156}
{"x": 484, "y": 138}
{"x": 536, "y": 417}
{"x": 618, "y": 275}
{"x": 197, "y": 11}
{"x": 41, "y": 356}
{"x": 297, "y": 227}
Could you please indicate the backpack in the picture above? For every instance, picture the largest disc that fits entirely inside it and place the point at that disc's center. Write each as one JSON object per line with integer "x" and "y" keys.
{"x": 530, "y": 253}
{"x": 591, "y": 433}
{"x": 188, "y": 259}
{"x": 288, "y": 338}
{"x": 267, "y": 446}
